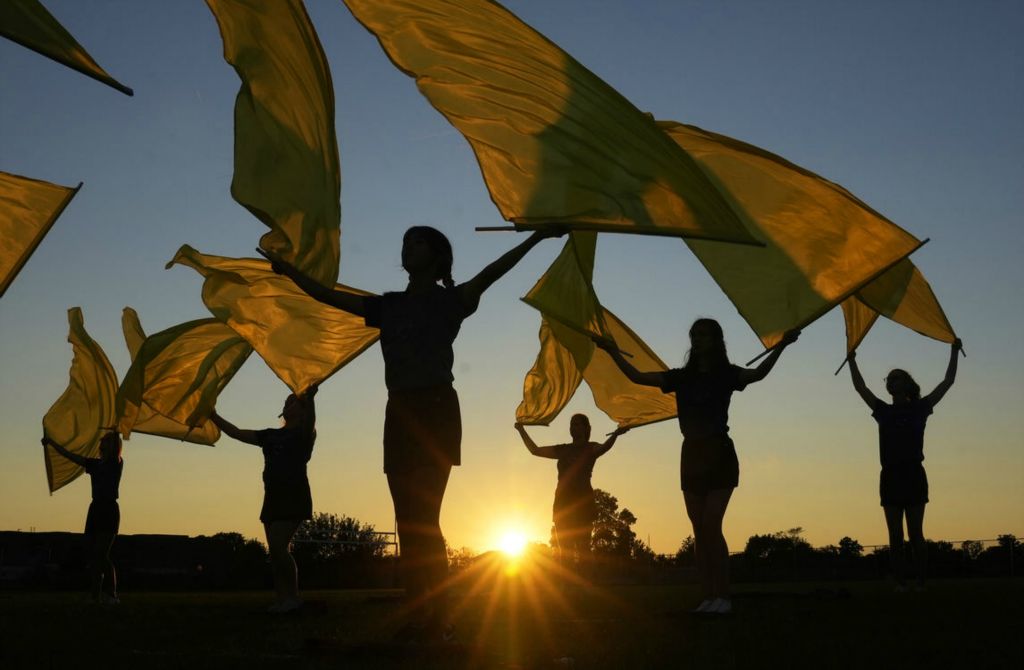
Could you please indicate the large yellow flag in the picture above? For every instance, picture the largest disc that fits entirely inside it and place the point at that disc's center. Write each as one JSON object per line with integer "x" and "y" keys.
{"x": 175, "y": 378}
{"x": 286, "y": 151}
{"x": 29, "y": 24}
{"x": 28, "y": 209}
{"x": 303, "y": 341}
{"x": 555, "y": 143}
{"x": 823, "y": 244}
{"x": 901, "y": 294}
{"x": 85, "y": 411}
{"x": 571, "y": 314}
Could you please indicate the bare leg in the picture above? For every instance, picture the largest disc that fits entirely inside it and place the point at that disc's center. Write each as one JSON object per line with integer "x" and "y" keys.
{"x": 695, "y": 504}
{"x": 102, "y": 567}
{"x": 417, "y": 495}
{"x": 894, "y": 521}
{"x": 715, "y": 505}
{"x": 915, "y": 529}
{"x": 286, "y": 575}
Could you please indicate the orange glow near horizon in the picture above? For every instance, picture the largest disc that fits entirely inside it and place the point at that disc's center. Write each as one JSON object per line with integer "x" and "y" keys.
{"x": 512, "y": 543}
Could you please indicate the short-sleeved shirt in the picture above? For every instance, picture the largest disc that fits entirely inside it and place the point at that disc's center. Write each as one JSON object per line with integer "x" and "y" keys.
{"x": 702, "y": 399}
{"x": 105, "y": 476}
{"x": 575, "y": 468}
{"x": 417, "y": 332}
{"x": 285, "y": 453}
{"x": 901, "y": 431}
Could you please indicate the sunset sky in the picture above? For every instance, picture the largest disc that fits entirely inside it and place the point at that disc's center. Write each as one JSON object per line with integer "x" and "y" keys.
{"x": 915, "y": 107}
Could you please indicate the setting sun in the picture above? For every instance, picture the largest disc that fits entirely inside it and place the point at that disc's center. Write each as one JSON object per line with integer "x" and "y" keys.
{"x": 512, "y": 543}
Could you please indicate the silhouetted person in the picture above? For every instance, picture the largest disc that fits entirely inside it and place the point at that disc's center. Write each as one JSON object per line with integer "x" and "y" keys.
{"x": 903, "y": 484}
{"x": 287, "y": 500}
{"x": 709, "y": 469}
{"x": 574, "y": 510}
{"x": 104, "y": 517}
{"x": 422, "y": 422}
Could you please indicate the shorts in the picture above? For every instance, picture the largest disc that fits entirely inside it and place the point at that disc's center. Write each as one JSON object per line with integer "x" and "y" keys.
{"x": 422, "y": 427}
{"x": 286, "y": 500}
{"x": 104, "y": 518}
{"x": 903, "y": 485}
{"x": 707, "y": 464}
{"x": 574, "y": 514}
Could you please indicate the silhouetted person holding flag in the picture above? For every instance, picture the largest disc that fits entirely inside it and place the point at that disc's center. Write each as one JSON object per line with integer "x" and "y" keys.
{"x": 287, "y": 500}
{"x": 104, "y": 517}
{"x": 903, "y": 484}
{"x": 709, "y": 469}
{"x": 574, "y": 510}
{"x": 422, "y": 421}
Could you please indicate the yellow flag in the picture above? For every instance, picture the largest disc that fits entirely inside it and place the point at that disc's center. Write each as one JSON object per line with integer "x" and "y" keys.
{"x": 903, "y": 295}
{"x": 85, "y": 411}
{"x": 555, "y": 143}
{"x": 565, "y": 297}
{"x": 286, "y": 151}
{"x": 180, "y": 372}
{"x": 28, "y": 208}
{"x": 303, "y": 341}
{"x": 823, "y": 244}
{"x": 29, "y": 24}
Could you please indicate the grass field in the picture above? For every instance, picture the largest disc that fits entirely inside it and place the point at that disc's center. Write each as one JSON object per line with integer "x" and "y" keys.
{"x": 507, "y": 623}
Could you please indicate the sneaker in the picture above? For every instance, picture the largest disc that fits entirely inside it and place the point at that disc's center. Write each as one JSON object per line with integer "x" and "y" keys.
{"x": 703, "y": 607}
{"x": 720, "y": 606}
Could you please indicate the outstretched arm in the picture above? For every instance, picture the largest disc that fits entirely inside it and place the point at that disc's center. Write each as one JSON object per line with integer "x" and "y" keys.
{"x": 936, "y": 395}
{"x": 602, "y": 449}
{"x": 309, "y": 415}
{"x": 231, "y": 430}
{"x": 634, "y": 375}
{"x": 353, "y": 303}
{"x": 762, "y": 370}
{"x": 858, "y": 382}
{"x": 475, "y": 287}
{"x": 74, "y": 458}
{"x": 543, "y": 452}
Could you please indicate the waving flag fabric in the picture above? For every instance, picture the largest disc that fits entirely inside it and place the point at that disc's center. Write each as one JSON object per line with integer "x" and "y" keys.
{"x": 85, "y": 411}
{"x": 286, "y": 151}
{"x": 175, "y": 378}
{"x": 303, "y": 341}
{"x": 28, "y": 209}
{"x": 901, "y": 294}
{"x": 29, "y": 24}
{"x": 555, "y": 143}
{"x": 571, "y": 314}
{"x": 823, "y": 243}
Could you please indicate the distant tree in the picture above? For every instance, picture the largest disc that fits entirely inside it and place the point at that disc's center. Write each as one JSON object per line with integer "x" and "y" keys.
{"x": 613, "y": 529}
{"x": 686, "y": 555}
{"x": 1008, "y": 542}
{"x": 850, "y": 548}
{"x": 460, "y": 558}
{"x": 328, "y": 536}
{"x": 972, "y": 549}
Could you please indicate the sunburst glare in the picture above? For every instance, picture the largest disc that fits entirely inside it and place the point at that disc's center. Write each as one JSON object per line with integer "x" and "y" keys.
{"x": 512, "y": 543}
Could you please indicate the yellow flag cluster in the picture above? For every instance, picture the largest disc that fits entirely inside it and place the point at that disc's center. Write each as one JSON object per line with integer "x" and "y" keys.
{"x": 555, "y": 143}
{"x": 28, "y": 209}
{"x": 85, "y": 411}
{"x": 29, "y": 24}
{"x": 286, "y": 152}
{"x": 823, "y": 243}
{"x": 303, "y": 341}
{"x": 175, "y": 376}
{"x": 571, "y": 314}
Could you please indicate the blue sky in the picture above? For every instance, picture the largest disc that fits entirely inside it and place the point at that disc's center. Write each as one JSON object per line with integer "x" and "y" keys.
{"x": 913, "y": 106}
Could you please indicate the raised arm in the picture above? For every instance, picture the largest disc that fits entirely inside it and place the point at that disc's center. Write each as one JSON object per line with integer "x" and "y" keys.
{"x": 634, "y": 375}
{"x": 762, "y": 370}
{"x": 936, "y": 395}
{"x": 543, "y": 452}
{"x": 602, "y": 449}
{"x": 471, "y": 290}
{"x": 353, "y": 303}
{"x": 74, "y": 458}
{"x": 309, "y": 413}
{"x": 858, "y": 382}
{"x": 231, "y": 430}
